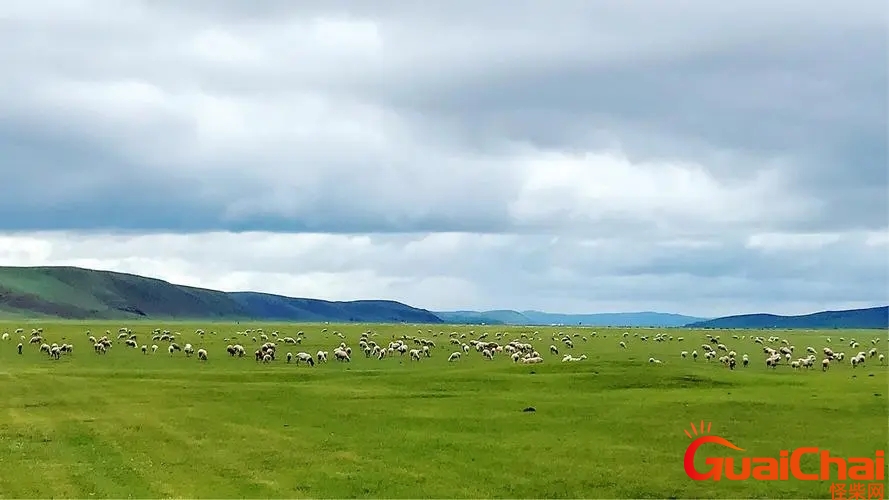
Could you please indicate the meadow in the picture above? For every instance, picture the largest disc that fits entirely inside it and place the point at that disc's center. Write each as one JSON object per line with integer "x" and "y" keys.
{"x": 127, "y": 424}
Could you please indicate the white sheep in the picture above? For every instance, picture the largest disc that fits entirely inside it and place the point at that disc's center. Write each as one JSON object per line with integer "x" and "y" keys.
{"x": 454, "y": 356}
{"x": 305, "y": 358}
{"x": 570, "y": 358}
{"x": 202, "y": 354}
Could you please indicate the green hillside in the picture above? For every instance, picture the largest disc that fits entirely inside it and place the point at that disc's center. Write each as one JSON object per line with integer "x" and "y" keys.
{"x": 75, "y": 293}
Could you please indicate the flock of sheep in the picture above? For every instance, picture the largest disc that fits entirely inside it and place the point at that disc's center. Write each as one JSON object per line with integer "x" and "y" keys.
{"x": 776, "y": 351}
{"x": 782, "y": 354}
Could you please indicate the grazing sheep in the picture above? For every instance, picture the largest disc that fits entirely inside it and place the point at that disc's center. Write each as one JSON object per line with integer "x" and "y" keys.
{"x": 341, "y": 355}
{"x": 154, "y": 348}
{"x": 570, "y": 358}
{"x": 144, "y": 349}
{"x": 322, "y": 356}
{"x": 825, "y": 364}
{"x": 202, "y": 354}
{"x": 289, "y": 356}
{"x": 857, "y": 360}
{"x": 454, "y": 356}
{"x": 305, "y": 357}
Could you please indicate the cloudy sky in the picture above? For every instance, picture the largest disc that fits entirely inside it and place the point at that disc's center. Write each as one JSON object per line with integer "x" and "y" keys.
{"x": 698, "y": 157}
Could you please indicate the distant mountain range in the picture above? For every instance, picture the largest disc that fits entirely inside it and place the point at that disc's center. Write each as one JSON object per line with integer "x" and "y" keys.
{"x": 874, "y": 317}
{"x": 76, "y": 293}
{"x": 509, "y": 317}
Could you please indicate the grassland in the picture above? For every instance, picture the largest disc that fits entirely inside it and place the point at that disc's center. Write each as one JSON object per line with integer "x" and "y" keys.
{"x": 133, "y": 425}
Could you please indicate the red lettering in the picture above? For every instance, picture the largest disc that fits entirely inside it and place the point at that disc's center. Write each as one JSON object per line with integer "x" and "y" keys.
{"x": 768, "y": 471}
{"x": 730, "y": 469}
{"x": 826, "y": 460}
{"x": 861, "y": 469}
{"x": 795, "y": 467}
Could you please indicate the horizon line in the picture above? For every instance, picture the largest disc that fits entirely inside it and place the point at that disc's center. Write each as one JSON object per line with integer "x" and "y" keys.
{"x": 434, "y": 311}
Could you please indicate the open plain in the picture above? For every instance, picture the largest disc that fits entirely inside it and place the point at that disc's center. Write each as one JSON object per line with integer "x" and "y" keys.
{"x": 133, "y": 424}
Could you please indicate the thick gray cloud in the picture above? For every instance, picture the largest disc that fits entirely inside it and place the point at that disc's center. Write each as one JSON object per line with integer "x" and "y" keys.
{"x": 695, "y": 156}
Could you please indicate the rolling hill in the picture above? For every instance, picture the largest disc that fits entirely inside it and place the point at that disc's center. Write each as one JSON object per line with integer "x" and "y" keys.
{"x": 874, "y": 317}
{"x": 508, "y": 317}
{"x": 75, "y": 293}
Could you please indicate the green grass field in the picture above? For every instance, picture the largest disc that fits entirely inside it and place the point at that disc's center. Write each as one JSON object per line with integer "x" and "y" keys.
{"x": 126, "y": 424}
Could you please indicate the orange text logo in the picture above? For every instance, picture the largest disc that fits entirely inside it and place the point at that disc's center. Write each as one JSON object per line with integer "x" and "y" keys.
{"x": 786, "y": 465}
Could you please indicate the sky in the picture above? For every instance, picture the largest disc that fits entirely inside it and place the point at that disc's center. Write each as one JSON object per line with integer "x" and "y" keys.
{"x": 698, "y": 157}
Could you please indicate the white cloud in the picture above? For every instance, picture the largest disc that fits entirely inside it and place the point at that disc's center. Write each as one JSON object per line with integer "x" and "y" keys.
{"x": 792, "y": 242}
{"x": 580, "y": 156}
{"x": 464, "y": 270}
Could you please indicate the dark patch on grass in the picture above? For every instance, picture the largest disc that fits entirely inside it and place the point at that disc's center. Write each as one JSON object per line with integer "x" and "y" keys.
{"x": 698, "y": 381}
{"x": 432, "y": 395}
